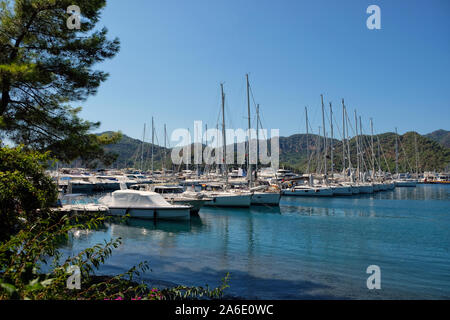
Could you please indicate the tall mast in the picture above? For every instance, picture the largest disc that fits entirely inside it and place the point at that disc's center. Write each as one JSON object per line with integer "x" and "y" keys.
{"x": 142, "y": 153}
{"x": 224, "y": 139}
{"x": 153, "y": 141}
{"x": 371, "y": 146}
{"x": 318, "y": 151}
{"x": 307, "y": 140}
{"x": 343, "y": 136}
{"x": 396, "y": 152}
{"x": 331, "y": 141}
{"x": 249, "y": 165}
{"x": 361, "y": 147}
{"x": 357, "y": 147}
{"x": 165, "y": 147}
{"x": 417, "y": 156}
{"x": 257, "y": 137}
{"x": 325, "y": 141}
{"x": 347, "y": 119}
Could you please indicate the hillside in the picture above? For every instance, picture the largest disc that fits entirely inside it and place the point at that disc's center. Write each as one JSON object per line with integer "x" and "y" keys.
{"x": 293, "y": 153}
{"x": 440, "y": 136}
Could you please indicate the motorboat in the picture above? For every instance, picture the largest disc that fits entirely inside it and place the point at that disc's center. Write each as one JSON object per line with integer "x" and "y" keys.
{"x": 144, "y": 205}
{"x": 177, "y": 195}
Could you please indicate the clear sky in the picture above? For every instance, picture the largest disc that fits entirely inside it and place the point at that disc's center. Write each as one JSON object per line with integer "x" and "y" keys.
{"x": 174, "y": 55}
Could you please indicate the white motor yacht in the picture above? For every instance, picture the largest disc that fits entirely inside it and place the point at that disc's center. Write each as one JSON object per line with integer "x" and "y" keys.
{"x": 177, "y": 195}
{"x": 144, "y": 205}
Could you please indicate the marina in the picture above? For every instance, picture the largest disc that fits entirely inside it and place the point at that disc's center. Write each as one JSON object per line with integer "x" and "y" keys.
{"x": 307, "y": 248}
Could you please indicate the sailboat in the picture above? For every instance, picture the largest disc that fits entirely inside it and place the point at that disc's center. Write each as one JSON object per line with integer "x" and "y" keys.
{"x": 220, "y": 193}
{"x": 261, "y": 195}
{"x": 308, "y": 189}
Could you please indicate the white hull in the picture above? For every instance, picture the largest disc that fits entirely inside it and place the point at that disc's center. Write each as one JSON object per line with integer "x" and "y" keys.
{"x": 229, "y": 200}
{"x": 365, "y": 189}
{"x": 266, "y": 198}
{"x": 153, "y": 213}
{"x": 405, "y": 183}
{"x": 342, "y": 190}
{"x": 308, "y": 192}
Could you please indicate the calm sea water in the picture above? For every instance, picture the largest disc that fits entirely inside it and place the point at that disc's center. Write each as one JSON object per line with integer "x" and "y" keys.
{"x": 307, "y": 249}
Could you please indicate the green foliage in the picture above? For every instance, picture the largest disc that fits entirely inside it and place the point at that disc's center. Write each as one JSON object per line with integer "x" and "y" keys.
{"x": 440, "y": 136}
{"x": 44, "y": 67}
{"x": 26, "y": 191}
{"x": 31, "y": 234}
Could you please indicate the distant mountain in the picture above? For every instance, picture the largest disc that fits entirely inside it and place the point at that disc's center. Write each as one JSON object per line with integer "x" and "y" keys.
{"x": 431, "y": 155}
{"x": 440, "y": 136}
{"x": 131, "y": 152}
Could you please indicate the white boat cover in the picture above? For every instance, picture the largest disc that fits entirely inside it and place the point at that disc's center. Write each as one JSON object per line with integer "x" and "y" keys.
{"x": 135, "y": 199}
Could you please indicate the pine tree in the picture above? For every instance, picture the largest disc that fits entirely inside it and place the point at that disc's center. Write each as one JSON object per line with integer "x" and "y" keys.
{"x": 45, "y": 66}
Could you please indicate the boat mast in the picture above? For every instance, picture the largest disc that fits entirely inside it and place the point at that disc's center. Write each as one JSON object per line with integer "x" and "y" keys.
{"x": 153, "y": 142}
{"x": 325, "y": 141}
{"x": 417, "y": 156}
{"x": 257, "y": 138}
{"x": 307, "y": 141}
{"x": 343, "y": 136}
{"x": 331, "y": 141}
{"x": 396, "y": 152}
{"x": 371, "y": 146}
{"x": 361, "y": 148}
{"x": 357, "y": 148}
{"x": 249, "y": 165}
{"x": 142, "y": 153}
{"x": 224, "y": 140}
{"x": 164, "y": 154}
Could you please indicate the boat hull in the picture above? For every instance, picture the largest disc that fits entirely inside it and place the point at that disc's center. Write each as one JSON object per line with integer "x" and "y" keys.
{"x": 366, "y": 189}
{"x": 313, "y": 192}
{"x": 342, "y": 191}
{"x": 408, "y": 184}
{"x": 240, "y": 201}
{"x": 152, "y": 213}
{"x": 266, "y": 198}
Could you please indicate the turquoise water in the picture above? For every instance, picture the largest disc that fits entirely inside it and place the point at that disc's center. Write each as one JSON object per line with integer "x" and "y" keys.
{"x": 309, "y": 248}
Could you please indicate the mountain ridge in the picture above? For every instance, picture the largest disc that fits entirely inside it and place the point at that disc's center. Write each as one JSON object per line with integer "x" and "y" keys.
{"x": 293, "y": 152}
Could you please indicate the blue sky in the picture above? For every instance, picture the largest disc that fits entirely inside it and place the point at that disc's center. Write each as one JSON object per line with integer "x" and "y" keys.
{"x": 174, "y": 55}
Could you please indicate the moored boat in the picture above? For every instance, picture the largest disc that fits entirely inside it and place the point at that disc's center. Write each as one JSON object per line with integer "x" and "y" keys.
{"x": 143, "y": 205}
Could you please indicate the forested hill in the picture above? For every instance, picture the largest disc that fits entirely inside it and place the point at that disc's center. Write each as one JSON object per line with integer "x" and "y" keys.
{"x": 431, "y": 155}
{"x": 440, "y": 136}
